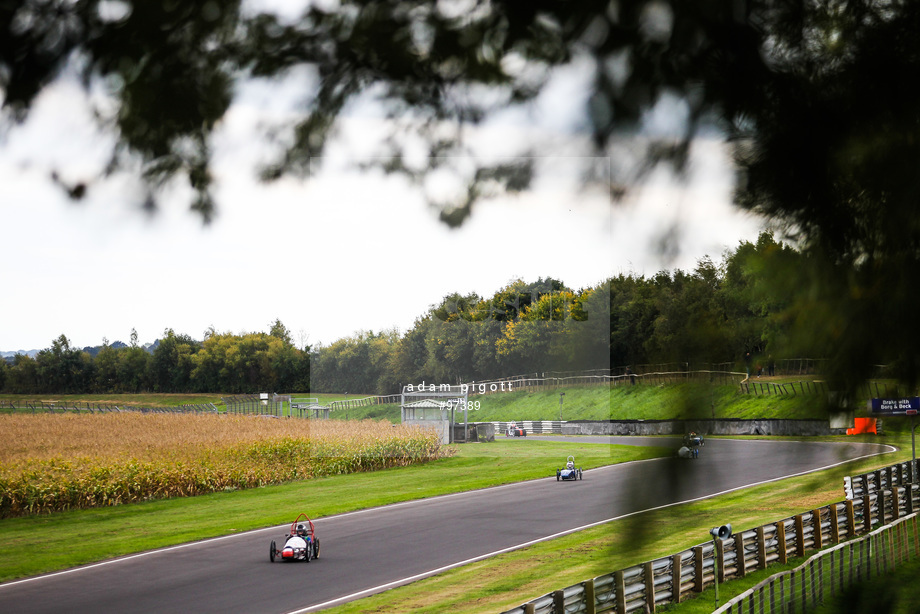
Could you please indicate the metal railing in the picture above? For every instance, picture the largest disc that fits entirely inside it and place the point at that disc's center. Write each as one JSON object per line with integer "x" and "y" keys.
{"x": 37, "y": 407}
{"x": 254, "y": 405}
{"x": 829, "y": 572}
{"x": 677, "y": 577}
{"x": 759, "y": 388}
{"x": 535, "y": 427}
{"x": 388, "y": 399}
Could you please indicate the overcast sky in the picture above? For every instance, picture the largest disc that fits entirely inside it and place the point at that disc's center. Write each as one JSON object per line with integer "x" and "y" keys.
{"x": 340, "y": 253}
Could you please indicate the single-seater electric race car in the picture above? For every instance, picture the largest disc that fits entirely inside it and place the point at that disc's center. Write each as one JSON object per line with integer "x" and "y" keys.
{"x": 691, "y": 447}
{"x": 515, "y": 431}
{"x": 301, "y": 544}
{"x": 571, "y": 472}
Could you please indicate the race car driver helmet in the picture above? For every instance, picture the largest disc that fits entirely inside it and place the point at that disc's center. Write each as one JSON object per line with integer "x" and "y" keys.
{"x": 301, "y": 531}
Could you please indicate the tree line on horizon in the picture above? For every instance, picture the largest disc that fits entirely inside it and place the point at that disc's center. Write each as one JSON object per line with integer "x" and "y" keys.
{"x": 222, "y": 362}
{"x": 716, "y": 313}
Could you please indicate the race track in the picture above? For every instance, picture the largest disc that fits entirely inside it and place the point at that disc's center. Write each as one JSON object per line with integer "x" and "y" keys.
{"x": 368, "y": 551}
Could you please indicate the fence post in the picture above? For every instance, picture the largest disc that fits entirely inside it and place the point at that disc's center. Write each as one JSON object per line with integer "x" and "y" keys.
{"x": 620, "y": 591}
{"x": 816, "y": 529}
{"x": 867, "y": 514}
{"x": 590, "y": 603}
{"x": 761, "y": 549}
{"x": 799, "y": 535}
{"x": 835, "y": 524}
{"x": 559, "y": 601}
{"x": 741, "y": 566}
{"x": 781, "y": 541}
{"x": 698, "y": 583}
{"x": 649, "y": 574}
{"x": 720, "y": 560}
{"x": 676, "y": 573}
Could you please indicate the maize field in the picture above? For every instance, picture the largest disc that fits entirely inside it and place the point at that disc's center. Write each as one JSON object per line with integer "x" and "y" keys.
{"x": 55, "y": 462}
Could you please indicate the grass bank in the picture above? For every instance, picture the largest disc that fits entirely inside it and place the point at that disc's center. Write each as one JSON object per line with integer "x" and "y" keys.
{"x": 640, "y": 402}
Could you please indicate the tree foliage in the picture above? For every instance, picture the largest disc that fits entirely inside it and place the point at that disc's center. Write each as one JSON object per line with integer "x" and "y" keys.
{"x": 817, "y": 98}
{"x": 819, "y": 89}
{"x": 712, "y": 315}
{"x": 223, "y": 362}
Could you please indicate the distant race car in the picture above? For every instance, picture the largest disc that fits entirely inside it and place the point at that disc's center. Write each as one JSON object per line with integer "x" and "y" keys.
{"x": 570, "y": 472}
{"x": 301, "y": 544}
{"x": 515, "y": 431}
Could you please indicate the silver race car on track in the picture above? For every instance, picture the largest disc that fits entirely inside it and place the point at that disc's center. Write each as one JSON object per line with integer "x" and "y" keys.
{"x": 301, "y": 544}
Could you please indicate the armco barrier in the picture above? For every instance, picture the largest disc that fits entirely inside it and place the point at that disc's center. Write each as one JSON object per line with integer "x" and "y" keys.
{"x": 674, "y": 578}
{"x": 900, "y": 474}
{"x": 365, "y": 402}
{"x": 532, "y": 427}
{"x": 719, "y": 426}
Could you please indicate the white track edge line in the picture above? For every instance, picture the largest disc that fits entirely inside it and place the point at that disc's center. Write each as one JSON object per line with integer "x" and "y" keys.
{"x": 377, "y": 589}
{"x": 129, "y": 557}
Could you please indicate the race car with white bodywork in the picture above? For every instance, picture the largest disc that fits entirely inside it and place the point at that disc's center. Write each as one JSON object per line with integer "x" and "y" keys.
{"x": 571, "y": 472}
{"x": 300, "y": 544}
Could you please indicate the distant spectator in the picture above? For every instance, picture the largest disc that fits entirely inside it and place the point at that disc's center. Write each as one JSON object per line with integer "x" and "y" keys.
{"x": 771, "y": 366}
{"x": 747, "y": 363}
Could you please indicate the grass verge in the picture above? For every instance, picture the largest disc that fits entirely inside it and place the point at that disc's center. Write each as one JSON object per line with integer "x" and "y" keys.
{"x": 645, "y": 402}
{"x": 98, "y": 534}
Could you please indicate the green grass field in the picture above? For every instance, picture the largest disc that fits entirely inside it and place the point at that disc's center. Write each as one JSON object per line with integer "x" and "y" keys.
{"x": 486, "y": 586}
{"x": 641, "y": 402}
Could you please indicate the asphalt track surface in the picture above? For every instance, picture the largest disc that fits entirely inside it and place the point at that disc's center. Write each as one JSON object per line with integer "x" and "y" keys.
{"x": 369, "y": 551}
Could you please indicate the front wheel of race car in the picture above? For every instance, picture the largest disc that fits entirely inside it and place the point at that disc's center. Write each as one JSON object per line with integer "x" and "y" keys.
{"x": 271, "y": 552}
{"x": 315, "y": 548}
